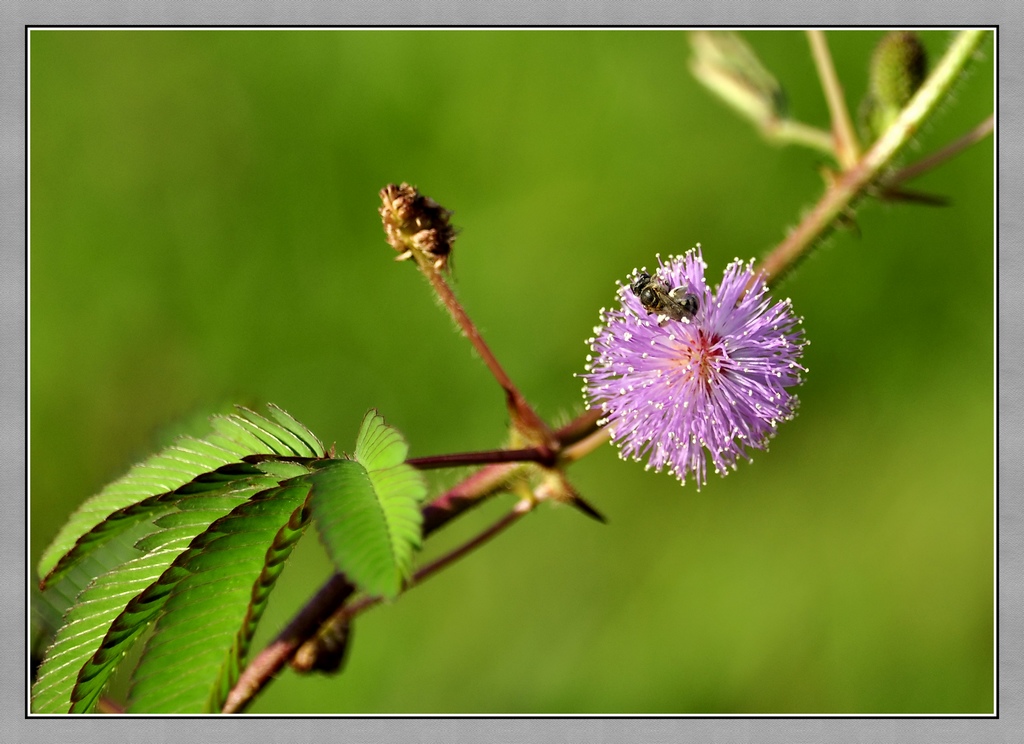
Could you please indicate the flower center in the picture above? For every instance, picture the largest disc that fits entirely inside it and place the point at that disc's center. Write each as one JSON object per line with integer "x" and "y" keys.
{"x": 700, "y": 358}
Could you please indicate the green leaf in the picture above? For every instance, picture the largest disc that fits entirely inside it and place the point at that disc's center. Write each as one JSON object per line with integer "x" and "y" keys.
{"x": 137, "y": 495}
{"x": 139, "y": 610}
{"x": 176, "y": 465}
{"x": 283, "y": 438}
{"x": 88, "y": 620}
{"x": 209, "y": 481}
{"x": 285, "y": 419}
{"x": 378, "y": 445}
{"x": 121, "y": 520}
{"x": 214, "y": 597}
{"x": 367, "y": 510}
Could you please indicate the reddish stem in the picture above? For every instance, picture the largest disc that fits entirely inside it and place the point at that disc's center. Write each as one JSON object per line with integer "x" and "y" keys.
{"x": 523, "y": 416}
{"x": 305, "y": 657}
{"x": 941, "y": 156}
{"x": 333, "y": 594}
{"x": 541, "y": 455}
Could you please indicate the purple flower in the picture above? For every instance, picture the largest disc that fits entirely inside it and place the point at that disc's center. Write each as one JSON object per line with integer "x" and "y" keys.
{"x": 717, "y": 381}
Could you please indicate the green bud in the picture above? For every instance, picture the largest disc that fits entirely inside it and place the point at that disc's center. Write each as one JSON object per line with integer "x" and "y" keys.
{"x": 898, "y": 67}
{"x": 727, "y": 65}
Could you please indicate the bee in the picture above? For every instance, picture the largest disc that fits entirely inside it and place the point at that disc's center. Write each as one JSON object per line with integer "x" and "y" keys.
{"x": 656, "y": 297}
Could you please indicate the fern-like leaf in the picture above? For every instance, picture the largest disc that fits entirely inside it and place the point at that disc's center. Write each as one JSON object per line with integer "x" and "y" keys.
{"x": 214, "y": 598}
{"x": 138, "y": 494}
{"x": 367, "y": 509}
{"x": 116, "y": 523}
{"x": 89, "y": 619}
{"x": 214, "y": 520}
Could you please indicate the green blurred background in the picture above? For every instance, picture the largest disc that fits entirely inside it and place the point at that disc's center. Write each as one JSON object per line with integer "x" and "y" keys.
{"x": 204, "y": 230}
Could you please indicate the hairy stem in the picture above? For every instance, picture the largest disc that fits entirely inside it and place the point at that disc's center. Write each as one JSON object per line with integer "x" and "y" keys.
{"x": 853, "y": 182}
{"x": 305, "y": 657}
{"x": 582, "y": 436}
{"x": 941, "y": 156}
{"x": 847, "y": 148}
{"x": 523, "y": 416}
{"x": 337, "y": 590}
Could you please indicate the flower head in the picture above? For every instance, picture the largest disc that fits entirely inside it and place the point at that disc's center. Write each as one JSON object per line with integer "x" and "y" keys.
{"x": 416, "y": 226}
{"x": 673, "y": 386}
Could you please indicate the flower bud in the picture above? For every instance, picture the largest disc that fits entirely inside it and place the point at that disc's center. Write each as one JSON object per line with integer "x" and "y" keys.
{"x": 727, "y": 65}
{"x": 416, "y": 226}
{"x": 899, "y": 65}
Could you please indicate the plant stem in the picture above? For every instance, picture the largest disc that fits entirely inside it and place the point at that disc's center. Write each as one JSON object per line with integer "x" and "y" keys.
{"x": 580, "y": 427}
{"x": 523, "y": 416}
{"x": 337, "y": 590}
{"x": 272, "y": 659}
{"x": 941, "y": 156}
{"x": 847, "y": 149}
{"x": 106, "y": 705}
{"x": 585, "y": 446}
{"x": 494, "y": 478}
{"x": 798, "y": 133}
{"x": 852, "y": 183}
{"x": 541, "y": 455}
{"x": 583, "y": 435}
{"x": 305, "y": 657}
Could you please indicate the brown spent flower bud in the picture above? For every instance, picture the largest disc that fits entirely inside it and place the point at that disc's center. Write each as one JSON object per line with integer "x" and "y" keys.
{"x": 416, "y": 226}
{"x": 327, "y": 651}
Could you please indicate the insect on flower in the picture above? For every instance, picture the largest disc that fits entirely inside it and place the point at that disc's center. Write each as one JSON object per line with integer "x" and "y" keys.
{"x": 711, "y": 388}
{"x": 668, "y": 304}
